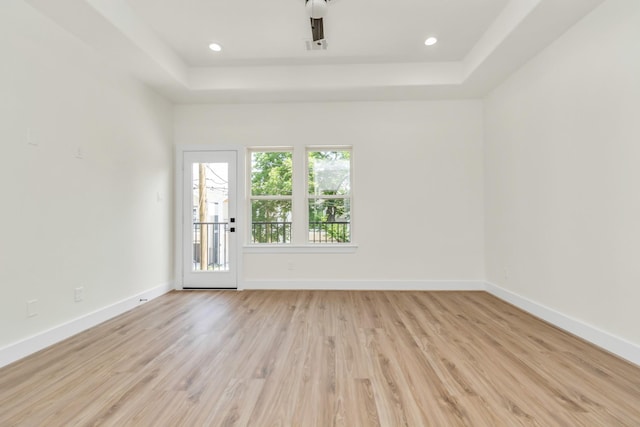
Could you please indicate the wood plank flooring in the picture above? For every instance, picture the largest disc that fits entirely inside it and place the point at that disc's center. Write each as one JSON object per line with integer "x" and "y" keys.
{"x": 322, "y": 358}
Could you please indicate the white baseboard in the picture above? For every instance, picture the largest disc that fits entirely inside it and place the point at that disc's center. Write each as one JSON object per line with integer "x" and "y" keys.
{"x": 18, "y": 350}
{"x": 616, "y": 345}
{"x": 365, "y": 285}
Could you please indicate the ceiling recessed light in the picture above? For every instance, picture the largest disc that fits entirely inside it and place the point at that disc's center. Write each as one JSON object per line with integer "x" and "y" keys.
{"x": 431, "y": 41}
{"x": 215, "y": 47}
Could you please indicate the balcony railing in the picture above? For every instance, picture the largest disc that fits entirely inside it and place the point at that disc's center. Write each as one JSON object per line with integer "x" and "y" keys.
{"x": 319, "y": 232}
{"x": 211, "y": 239}
{"x": 271, "y": 232}
{"x": 210, "y": 246}
{"x": 330, "y": 232}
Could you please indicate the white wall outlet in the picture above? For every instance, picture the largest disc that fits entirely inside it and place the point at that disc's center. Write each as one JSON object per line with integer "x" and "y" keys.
{"x": 32, "y": 308}
{"x": 290, "y": 266}
{"x": 505, "y": 273}
{"x": 79, "y": 153}
{"x": 78, "y": 294}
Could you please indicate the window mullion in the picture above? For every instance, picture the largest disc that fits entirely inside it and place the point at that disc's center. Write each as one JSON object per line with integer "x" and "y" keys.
{"x": 329, "y": 197}
{"x": 299, "y": 197}
{"x": 270, "y": 197}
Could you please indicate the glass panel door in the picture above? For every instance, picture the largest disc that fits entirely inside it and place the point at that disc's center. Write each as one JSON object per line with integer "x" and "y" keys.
{"x": 209, "y": 219}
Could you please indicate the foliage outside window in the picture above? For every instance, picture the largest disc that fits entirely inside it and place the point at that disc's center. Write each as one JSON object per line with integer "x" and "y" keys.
{"x": 271, "y": 196}
{"x": 329, "y": 196}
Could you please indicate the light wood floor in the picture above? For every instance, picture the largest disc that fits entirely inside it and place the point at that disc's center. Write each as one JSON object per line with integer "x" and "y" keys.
{"x": 300, "y": 358}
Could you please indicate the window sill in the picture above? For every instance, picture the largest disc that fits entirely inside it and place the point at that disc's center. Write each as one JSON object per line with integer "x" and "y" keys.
{"x": 300, "y": 249}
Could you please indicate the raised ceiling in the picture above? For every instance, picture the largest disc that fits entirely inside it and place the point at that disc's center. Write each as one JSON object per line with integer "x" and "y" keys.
{"x": 357, "y": 31}
{"x": 375, "y": 49}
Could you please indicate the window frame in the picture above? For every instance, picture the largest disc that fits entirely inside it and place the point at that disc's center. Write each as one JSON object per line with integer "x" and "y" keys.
{"x": 309, "y": 197}
{"x": 299, "y": 204}
{"x": 251, "y": 198}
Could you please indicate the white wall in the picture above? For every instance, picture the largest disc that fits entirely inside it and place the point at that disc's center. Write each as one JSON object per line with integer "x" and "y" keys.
{"x": 562, "y": 164}
{"x": 418, "y": 196}
{"x": 66, "y": 222}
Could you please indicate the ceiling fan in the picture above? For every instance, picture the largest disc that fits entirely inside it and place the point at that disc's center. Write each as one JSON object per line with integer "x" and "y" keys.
{"x": 317, "y": 10}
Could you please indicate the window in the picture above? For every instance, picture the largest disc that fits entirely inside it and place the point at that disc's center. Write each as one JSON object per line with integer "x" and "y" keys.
{"x": 329, "y": 196}
{"x": 271, "y": 196}
{"x": 300, "y": 197}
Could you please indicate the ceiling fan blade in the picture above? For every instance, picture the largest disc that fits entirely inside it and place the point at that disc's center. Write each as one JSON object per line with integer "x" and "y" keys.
{"x": 317, "y": 29}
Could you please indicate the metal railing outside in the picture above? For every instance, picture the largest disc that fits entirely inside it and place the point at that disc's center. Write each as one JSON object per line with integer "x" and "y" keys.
{"x": 214, "y": 236}
{"x": 319, "y": 232}
{"x": 330, "y": 232}
{"x": 271, "y": 232}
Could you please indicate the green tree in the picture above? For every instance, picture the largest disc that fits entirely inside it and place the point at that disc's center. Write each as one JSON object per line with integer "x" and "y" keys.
{"x": 271, "y": 175}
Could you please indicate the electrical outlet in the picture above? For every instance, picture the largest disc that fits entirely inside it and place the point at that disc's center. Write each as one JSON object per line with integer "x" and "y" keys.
{"x": 32, "y": 308}
{"x": 78, "y": 294}
{"x": 290, "y": 266}
{"x": 505, "y": 273}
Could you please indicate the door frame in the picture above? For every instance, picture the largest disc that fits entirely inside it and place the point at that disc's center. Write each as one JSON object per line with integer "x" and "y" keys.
{"x": 180, "y": 150}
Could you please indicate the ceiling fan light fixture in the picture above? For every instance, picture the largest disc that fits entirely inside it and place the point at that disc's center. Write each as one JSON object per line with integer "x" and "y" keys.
{"x": 430, "y": 41}
{"x": 215, "y": 47}
{"x": 317, "y": 9}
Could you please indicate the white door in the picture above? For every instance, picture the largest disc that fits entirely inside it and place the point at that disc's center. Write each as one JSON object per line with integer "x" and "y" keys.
{"x": 209, "y": 255}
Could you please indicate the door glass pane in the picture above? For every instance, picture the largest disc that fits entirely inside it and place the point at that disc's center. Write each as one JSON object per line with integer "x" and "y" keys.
{"x": 210, "y": 207}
